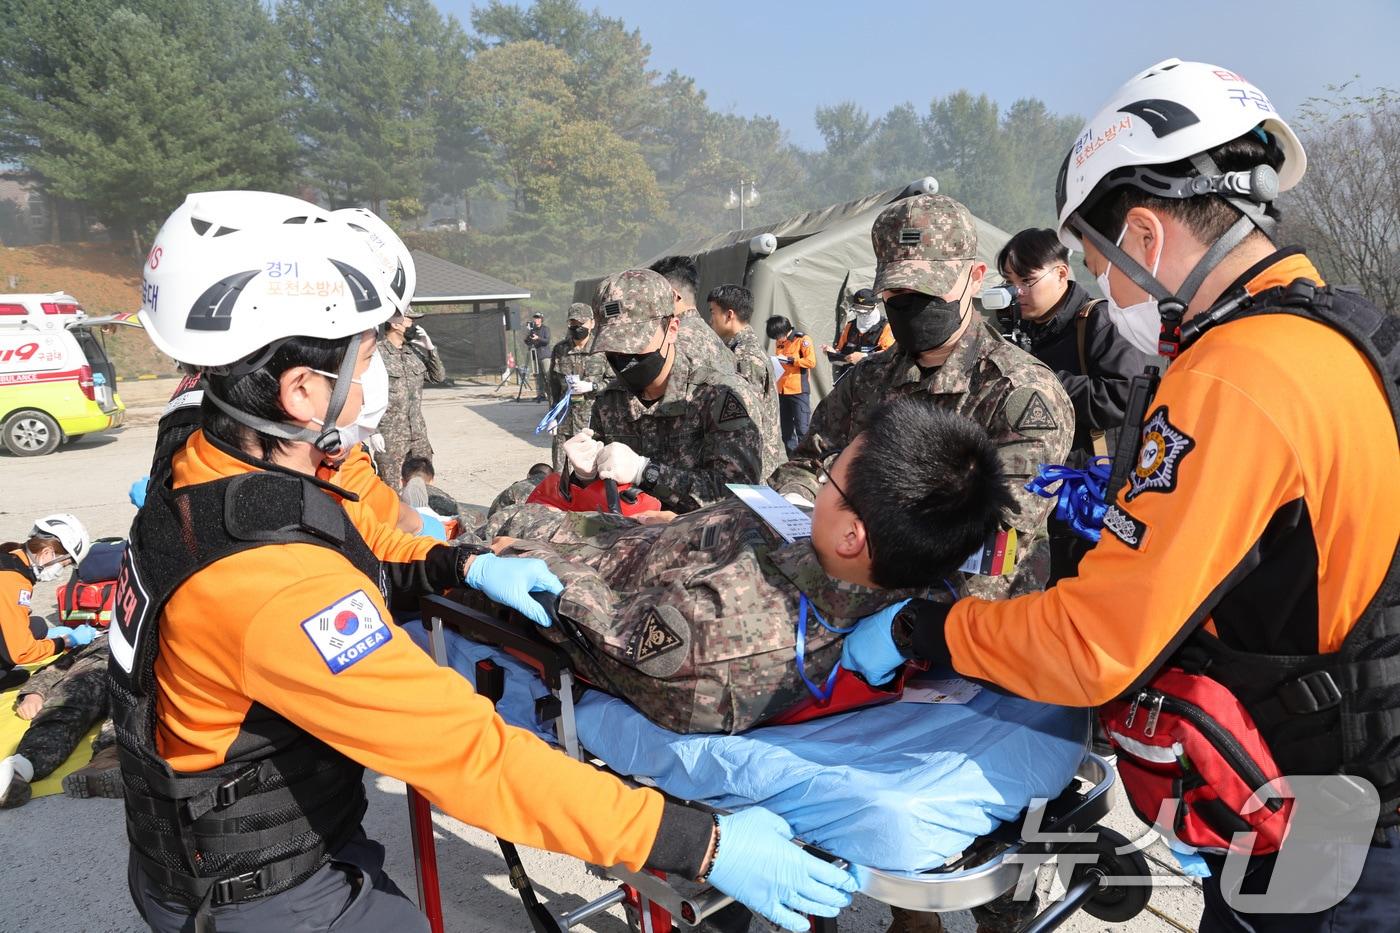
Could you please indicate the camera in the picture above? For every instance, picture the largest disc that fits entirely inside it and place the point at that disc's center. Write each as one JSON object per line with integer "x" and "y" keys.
{"x": 1005, "y": 302}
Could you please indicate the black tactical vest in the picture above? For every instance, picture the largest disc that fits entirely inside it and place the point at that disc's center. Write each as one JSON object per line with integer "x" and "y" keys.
{"x": 269, "y": 817}
{"x": 1340, "y": 712}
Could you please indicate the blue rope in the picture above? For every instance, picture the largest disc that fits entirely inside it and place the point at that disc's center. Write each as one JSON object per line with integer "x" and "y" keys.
{"x": 823, "y": 693}
{"x": 555, "y": 416}
{"x": 1081, "y": 496}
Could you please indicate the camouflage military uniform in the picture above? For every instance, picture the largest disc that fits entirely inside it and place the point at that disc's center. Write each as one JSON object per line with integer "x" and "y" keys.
{"x": 754, "y": 366}
{"x": 693, "y": 621}
{"x": 1015, "y": 397}
{"x": 74, "y": 689}
{"x": 699, "y": 435}
{"x": 567, "y": 360}
{"x": 402, "y": 427}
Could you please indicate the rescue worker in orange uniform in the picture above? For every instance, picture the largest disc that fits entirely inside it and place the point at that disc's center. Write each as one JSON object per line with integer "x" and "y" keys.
{"x": 255, "y": 672}
{"x": 56, "y": 543}
{"x": 1259, "y": 522}
{"x": 794, "y": 351}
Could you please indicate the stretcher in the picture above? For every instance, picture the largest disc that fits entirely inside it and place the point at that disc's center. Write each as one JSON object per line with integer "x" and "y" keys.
{"x": 1102, "y": 872}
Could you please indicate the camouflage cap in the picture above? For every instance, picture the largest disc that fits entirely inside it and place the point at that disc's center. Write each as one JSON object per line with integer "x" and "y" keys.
{"x": 580, "y": 312}
{"x": 921, "y": 243}
{"x": 628, "y": 309}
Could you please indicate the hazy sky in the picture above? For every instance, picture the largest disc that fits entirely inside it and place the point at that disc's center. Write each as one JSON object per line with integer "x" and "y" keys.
{"x": 784, "y": 58}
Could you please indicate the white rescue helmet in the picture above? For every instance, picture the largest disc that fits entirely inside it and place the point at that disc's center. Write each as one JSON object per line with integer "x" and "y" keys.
{"x": 69, "y": 532}
{"x": 1168, "y": 113}
{"x": 233, "y": 272}
{"x": 1173, "y": 113}
{"x": 395, "y": 259}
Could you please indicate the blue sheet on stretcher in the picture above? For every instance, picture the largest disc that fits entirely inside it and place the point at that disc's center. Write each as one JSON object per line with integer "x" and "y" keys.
{"x": 903, "y": 787}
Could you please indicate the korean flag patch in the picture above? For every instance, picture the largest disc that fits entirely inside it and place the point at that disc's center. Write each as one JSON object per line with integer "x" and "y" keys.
{"x": 347, "y": 630}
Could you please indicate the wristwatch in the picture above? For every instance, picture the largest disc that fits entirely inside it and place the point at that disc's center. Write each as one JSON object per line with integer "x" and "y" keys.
{"x": 902, "y": 629}
{"x": 651, "y": 475}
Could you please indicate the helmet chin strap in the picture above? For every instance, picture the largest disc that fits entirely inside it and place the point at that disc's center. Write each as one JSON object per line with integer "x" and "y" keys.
{"x": 324, "y": 439}
{"x": 1247, "y": 192}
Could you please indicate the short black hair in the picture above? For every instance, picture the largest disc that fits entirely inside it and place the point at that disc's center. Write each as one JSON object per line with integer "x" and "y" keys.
{"x": 1206, "y": 216}
{"x": 777, "y": 323}
{"x": 258, "y": 393}
{"x": 680, "y": 271}
{"x": 412, "y": 466}
{"x": 734, "y": 298}
{"x": 1029, "y": 251}
{"x": 929, "y": 487}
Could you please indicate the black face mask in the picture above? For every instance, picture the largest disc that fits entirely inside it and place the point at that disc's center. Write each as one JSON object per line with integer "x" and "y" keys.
{"x": 578, "y": 331}
{"x": 637, "y": 370}
{"x": 921, "y": 322}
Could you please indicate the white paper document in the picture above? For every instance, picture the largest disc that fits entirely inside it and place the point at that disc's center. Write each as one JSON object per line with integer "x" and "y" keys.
{"x": 781, "y": 515}
{"x": 953, "y": 690}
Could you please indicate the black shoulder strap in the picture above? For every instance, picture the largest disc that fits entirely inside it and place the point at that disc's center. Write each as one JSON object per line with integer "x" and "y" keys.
{"x": 9, "y": 561}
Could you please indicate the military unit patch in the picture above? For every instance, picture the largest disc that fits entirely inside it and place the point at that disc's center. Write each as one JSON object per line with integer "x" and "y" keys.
{"x": 1029, "y": 413}
{"x": 1162, "y": 449}
{"x": 732, "y": 409}
{"x": 651, "y": 639}
{"x": 1125, "y": 528}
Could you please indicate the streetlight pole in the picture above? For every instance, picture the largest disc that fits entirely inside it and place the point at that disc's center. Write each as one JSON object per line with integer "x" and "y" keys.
{"x": 743, "y": 199}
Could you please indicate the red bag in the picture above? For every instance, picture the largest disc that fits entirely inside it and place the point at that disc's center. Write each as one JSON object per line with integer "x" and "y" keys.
{"x": 1187, "y": 738}
{"x": 90, "y": 603}
{"x": 592, "y": 497}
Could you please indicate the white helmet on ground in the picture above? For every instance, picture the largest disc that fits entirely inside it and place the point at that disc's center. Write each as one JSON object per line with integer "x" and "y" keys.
{"x": 69, "y": 532}
{"x": 1175, "y": 112}
{"x": 396, "y": 261}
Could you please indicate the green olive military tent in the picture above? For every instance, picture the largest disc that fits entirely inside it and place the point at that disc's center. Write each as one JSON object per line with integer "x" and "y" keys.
{"x": 804, "y": 268}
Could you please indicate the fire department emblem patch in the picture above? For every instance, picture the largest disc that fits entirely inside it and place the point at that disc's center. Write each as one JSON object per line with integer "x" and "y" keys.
{"x": 1159, "y": 456}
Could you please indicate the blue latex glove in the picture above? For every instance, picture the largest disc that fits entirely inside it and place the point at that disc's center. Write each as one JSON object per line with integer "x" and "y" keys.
{"x": 869, "y": 651}
{"x": 60, "y": 631}
{"x": 432, "y": 525}
{"x": 83, "y": 635}
{"x": 137, "y": 492}
{"x": 510, "y": 581}
{"x": 759, "y": 866}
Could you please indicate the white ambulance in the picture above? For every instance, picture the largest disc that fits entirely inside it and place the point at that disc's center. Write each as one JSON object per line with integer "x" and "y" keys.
{"x": 56, "y": 383}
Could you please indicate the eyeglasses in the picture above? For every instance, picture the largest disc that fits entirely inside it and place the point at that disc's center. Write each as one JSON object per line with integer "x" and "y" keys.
{"x": 1032, "y": 283}
{"x": 824, "y": 475}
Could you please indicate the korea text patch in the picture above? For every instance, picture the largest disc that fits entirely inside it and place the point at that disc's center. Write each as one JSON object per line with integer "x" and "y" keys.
{"x": 347, "y": 630}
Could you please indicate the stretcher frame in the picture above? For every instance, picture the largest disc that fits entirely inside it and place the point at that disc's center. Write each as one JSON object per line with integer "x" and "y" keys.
{"x": 990, "y": 867}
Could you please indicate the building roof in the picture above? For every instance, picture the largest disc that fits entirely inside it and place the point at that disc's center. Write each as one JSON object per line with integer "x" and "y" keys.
{"x": 441, "y": 282}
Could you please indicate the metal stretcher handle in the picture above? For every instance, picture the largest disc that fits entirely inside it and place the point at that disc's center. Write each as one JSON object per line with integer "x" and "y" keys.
{"x": 497, "y": 627}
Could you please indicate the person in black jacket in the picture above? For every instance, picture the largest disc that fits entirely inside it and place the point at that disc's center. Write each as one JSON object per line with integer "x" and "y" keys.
{"x": 1066, "y": 329}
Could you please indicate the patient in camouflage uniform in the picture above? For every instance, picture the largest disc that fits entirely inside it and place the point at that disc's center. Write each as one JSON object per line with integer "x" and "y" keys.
{"x": 692, "y": 619}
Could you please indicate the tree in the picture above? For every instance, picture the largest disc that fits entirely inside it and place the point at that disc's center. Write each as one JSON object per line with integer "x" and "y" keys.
{"x": 1347, "y": 208}
{"x": 127, "y": 108}
{"x": 367, "y": 75}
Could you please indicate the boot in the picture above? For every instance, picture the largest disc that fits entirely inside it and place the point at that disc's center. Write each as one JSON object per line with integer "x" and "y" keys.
{"x": 15, "y": 773}
{"x": 908, "y": 921}
{"x": 100, "y": 777}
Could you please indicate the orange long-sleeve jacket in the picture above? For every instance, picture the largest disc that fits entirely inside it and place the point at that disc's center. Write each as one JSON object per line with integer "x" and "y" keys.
{"x": 798, "y": 348}
{"x": 1264, "y": 506}
{"x": 242, "y": 633}
{"x": 17, "y": 642}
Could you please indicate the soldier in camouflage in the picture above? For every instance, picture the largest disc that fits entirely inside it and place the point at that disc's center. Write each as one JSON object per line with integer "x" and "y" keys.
{"x": 693, "y": 620}
{"x": 63, "y": 701}
{"x": 731, "y": 311}
{"x": 676, "y": 420}
{"x": 410, "y": 357}
{"x": 928, "y": 275}
{"x": 575, "y": 369}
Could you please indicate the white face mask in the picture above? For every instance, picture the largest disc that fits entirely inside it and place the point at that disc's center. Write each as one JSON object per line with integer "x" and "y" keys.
{"x": 374, "y": 385}
{"x": 1141, "y": 323}
{"x": 47, "y": 573}
{"x": 866, "y": 319}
